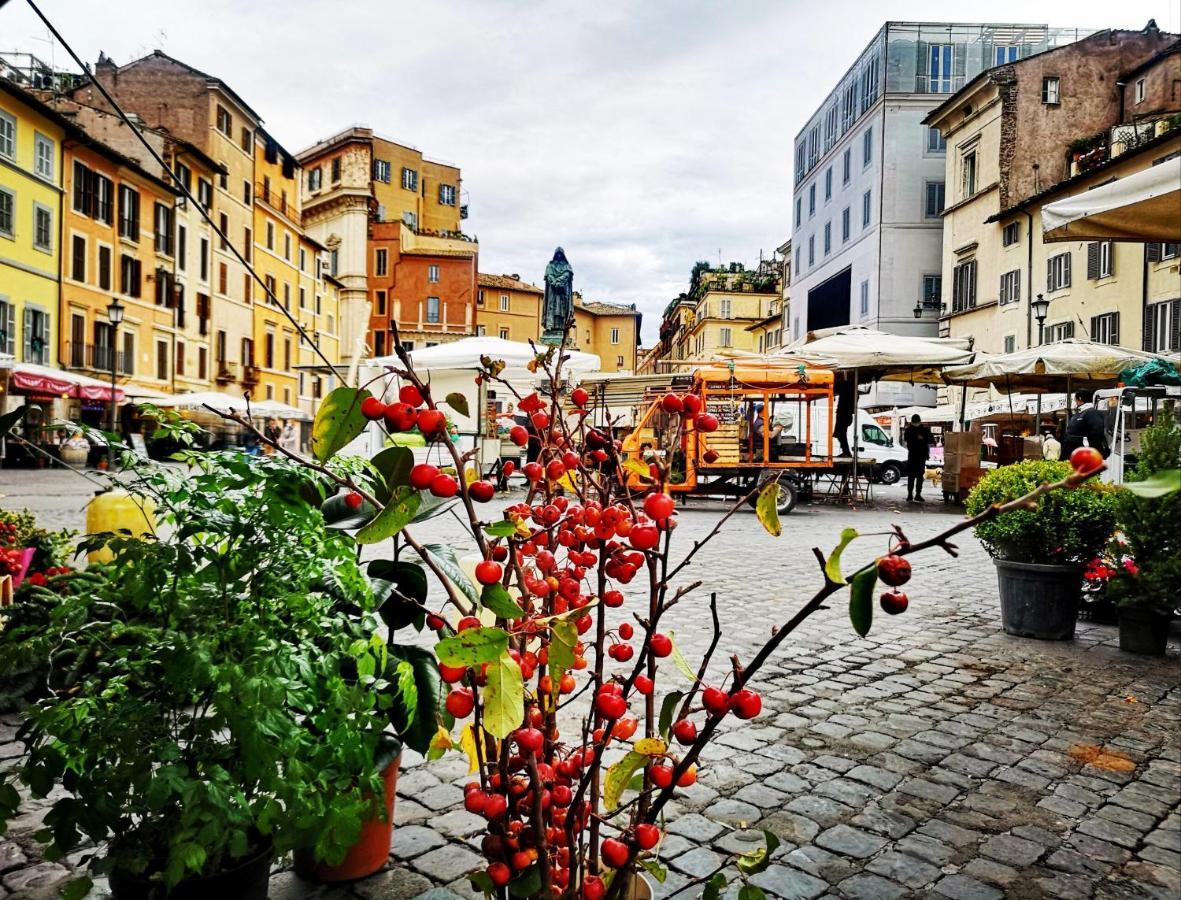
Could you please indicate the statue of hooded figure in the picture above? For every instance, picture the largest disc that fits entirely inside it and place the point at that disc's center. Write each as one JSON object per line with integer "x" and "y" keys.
{"x": 558, "y": 312}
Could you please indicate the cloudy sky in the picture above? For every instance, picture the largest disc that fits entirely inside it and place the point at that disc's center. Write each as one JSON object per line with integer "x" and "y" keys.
{"x": 641, "y": 135}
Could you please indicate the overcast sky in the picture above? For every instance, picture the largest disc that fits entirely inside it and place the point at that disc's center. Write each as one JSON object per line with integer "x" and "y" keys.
{"x": 641, "y": 135}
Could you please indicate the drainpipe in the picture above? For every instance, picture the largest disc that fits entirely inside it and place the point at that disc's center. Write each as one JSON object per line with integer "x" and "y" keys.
{"x": 1029, "y": 281}
{"x": 1143, "y": 293}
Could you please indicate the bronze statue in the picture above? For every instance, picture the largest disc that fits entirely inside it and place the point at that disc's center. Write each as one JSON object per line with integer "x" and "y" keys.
{"x": 558, "y": 312}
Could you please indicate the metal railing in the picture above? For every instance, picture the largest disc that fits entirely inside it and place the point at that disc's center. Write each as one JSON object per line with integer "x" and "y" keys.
{"x": 275, "y": 200}
{"x": 98, "y": 358}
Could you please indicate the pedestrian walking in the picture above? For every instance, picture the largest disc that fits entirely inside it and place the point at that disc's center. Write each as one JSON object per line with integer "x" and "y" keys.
{"x": 918, "y": 440}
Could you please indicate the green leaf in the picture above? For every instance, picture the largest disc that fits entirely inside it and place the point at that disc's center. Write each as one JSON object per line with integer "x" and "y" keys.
{"x": 527, "y": 884}
{"x": 482, "y": 881}
{"x": 564, "y": 637}
{"x": 832, "y": 566}
{"x": 338, "y": 421}
{"x": 433, "y": 506}
{"x": 399, "y": 589}
{"x": 766, "y": 508}
{"x": 394, "y": 464}
{"x": 861, "y": 598}
{"x": 418, "y": 726}
{"x": 1159, "y": 484}
{"x": 750, "y": 891}
{"x": 757, "y": 860}
{"x": 458, "y": 402}
{"x": 397, "y": 515}
{"x": 444, "y": 557}
{"x": 9, "y": 419}
{"x": 497, "y": 599}
{"x": 679, "y": 659}
{"x": 472, "y": 647}
{"x": 619, "y": 775}
{"x": 503, "y": 696}
{"x": 655, "y": 869}
{"x": 667, "y": 709}
{"x": 714, "y": 887}
{"x": 77, "y": 889}
{"x": 338, "y": 514}
{"x": 503, "y": 528}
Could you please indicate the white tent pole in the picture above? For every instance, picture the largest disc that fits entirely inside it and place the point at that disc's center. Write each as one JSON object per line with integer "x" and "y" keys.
{"x": 856, "y": 430}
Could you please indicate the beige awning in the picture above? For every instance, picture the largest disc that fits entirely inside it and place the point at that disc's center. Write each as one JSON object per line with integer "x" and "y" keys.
{"x": 1142, "y": 207}
{"x": 1047, "y": 368}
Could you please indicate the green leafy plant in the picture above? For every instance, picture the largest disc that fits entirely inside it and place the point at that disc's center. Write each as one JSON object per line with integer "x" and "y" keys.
{"x": 1148, "y": 513}
{"x": 1060, "y": 527}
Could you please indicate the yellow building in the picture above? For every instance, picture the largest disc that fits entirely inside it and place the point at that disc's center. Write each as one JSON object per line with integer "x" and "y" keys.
{"x": 609, "y": 330}
{"x": 420, "y": 192}
{"x": 31, "y": 206}
{"x": 277, "y": 245}
{"x": 319, "y": 315}
{"x": 508, "y": 308}
{"x": 727, "y": 302}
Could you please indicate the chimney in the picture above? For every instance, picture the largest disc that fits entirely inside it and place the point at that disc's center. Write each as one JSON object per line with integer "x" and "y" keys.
{"x": 104, "y": 62}
{"x": 515, "y": 277}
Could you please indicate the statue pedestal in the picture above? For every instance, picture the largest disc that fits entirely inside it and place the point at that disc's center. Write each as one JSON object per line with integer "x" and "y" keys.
{"x": 553, "y": 338}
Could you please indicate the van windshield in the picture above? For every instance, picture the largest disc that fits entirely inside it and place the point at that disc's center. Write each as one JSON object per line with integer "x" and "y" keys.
{"x": 875, "y": 435}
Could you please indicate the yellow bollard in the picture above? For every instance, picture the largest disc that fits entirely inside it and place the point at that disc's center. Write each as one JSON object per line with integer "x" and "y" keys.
{"x": 118, "y": 511}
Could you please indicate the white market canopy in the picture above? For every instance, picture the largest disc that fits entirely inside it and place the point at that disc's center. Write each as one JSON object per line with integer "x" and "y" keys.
{"x": 1046, "y": 368}
{"x": 199, "y": 400}
{"x": 890, "y": 357}
{"x": 465, "y": 354}
{"x": 1142, "y": 207}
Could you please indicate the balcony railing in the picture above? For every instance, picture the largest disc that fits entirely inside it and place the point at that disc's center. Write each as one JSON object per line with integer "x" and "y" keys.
{"x": 275, "y": 200}
{"x": 99, "y": 358}
{"x": 226, "y": 371}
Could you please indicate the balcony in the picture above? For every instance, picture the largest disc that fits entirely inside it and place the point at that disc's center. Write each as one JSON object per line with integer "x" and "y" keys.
{"x": 98, "y": 358}
{"x": 274, "y": 199}
{"x": 226, "y": 372}
{"x": 251, "y": 375}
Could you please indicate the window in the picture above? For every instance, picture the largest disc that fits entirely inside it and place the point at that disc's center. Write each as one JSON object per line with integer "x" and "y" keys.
{"x": 845, "y": 218}
{"x": 184, "y": 175}
{"x": 42, "y": 227}
{"x": 182, "y": 239}
{"x": 247, "y": 244}
{"x": 1058, "y": 272}
{"x": 104, "y": 198}
{"x": 827, "y": 238}
{"x": 828, "y": 183}
{"x": 180, "y": 358}
{"x": 270, "y": 235}
{"x": 1010, "y": 234}
{"x": 203, "y": 259}
{"x": 268, "y": 350}
{"x": 724, "y": 337}
{"x": 940, "y": 68}
{"x": 315, "y": 178}
{"x": 409, "y": 179}
{"x": 127, "y": 360}
{"x": 1010, "y": 287}
{"x": 798, "y": 266}
{"x": 968, "y": 175}
{"x": 334, "y": 262}
{"x": 223, "y": 279}
{"x": 1010, "y": 343}
{"x": 1140, "y": 90}
{"x": 963, "y": 292}
{"x": 223, "y": 178}
{"x": 36, "y": 336}
{"x": 161, "y": 360}
{"x": 335, "y": 169}
{"x": 7, "y": 327}
{"x": 104, "y": 267}
{"x": 225, "y": 122}
{"x": 867, "y": 147}
{"x": 78, "y": 258}
{"x": 381, "y": 170}
{"x": 7, "y": 135}
{"x": 869, "y": 83}
{"x": 1162, "y": 326}
{"x": 1060, "y": 331}
{"x": 381, "y": 295}
{"x": 933, "y": 203}
{"x": 7, "y": 212}
{"x": 380, "y": 261}
{"x": 504, "y": 334}
{"x": 864, "y": 299}
{"x": 128, "y": 213}
{"x": 614, "y": 335}
{"x": 724, "y": 308}
{"x": 935, "y": 141}
{"x": 1051, "y": 90}
{"x": 1159, "y": 252}
{"x": 619, "y": 360}
{"x": 247, "y": 288}
{"x": 247, "y": 351}
{"x": 811, "y": 249}
{"x": 247, "y": 139}
{"x": 932, "y": 295}
{"x": 1105, "y": 328}
{"x": 286, "y": 295}
{"x": 287, "y": 246}
{"x": 1100, "y": 259}
{"x": 447, "y": 194}
{"x": 1005, "y": 53}
{"x": 163, "y": 220}
{"x": 799, "y": 210}
{"x": 246, "y": 191}
{"x": 504, "y": 302}
{"x": 303, "y": 298}
{"x": 223, "y": 225}
{"x": 202, "y": 363}
{"x": 130, "y": 275}
{"x": 410, "y": 219}
{"x": 432, "y": 309}
{"x": 812, "y": 200}
{"x": 432, "y": 274}
{"x": 866, "y": 208}
{"x": 847, "y": 165}
{"x": 43, "y": 156}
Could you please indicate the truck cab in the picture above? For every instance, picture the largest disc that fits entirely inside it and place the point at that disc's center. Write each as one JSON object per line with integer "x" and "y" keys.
{"x": 889, "y": 459}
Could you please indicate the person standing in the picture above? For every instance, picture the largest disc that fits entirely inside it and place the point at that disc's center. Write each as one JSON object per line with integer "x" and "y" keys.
{"x": 846, "y": 406}
{"x": 917, "y": 438}
{"x": 1051, "y": 449}
{"x": 1085, "y": 426}
{"x": 289, "y": 437}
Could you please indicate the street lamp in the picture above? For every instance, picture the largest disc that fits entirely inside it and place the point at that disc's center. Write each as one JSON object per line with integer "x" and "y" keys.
{"x": 1040, "y": 307}
{"x": 115, "y": 316}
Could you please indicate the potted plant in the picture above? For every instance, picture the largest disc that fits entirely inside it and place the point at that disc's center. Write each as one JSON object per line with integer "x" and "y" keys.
{"x": 202, "y": 711}
{"x": 1147, "y": 588}
{"x": 1040, "y": 550}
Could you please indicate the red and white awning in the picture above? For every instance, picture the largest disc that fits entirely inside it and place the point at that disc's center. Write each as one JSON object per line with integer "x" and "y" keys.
{"x": 34, "y": 379}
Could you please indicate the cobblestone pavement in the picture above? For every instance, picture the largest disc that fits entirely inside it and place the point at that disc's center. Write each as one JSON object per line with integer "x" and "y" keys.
{"x": 936, "y": 758}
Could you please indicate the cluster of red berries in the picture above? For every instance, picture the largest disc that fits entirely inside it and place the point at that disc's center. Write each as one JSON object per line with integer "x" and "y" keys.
{"x": 893, "y": 570}
{"x": 689, "y": 408}
{"x": 12, "y": 548}
{"x": 40, "y": 579}
{"x": 405, "y": 414}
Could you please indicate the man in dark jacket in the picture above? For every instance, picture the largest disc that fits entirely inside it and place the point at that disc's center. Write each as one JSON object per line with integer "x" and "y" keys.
{"x": 918, "y": 440}
{"x": 1086, "y": 424}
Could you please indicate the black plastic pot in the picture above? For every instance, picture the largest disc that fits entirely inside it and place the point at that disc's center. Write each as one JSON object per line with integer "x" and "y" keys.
{"x": 1143, "y": 630}
{"x": 1037, "y": 600}
{"x": 247, "y": 880}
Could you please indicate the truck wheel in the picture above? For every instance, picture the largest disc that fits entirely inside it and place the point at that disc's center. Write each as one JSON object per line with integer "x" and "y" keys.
{"x": 889, "y": 473}
{"x": 789, "y": 493}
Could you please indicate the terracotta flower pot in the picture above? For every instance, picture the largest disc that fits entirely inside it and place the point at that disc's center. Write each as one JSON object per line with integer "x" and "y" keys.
{"x": 372, "y": 849}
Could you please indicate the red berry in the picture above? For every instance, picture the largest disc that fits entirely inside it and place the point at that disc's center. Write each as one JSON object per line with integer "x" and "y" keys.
{"x": 716, "y": 701}
{"x": 400, "y": 417}
{"x": 659, "y": 506}
{"x": 533, "y": 471}
{"x": 495, "y": 806}
{"x": 499, "y": 874}
{"x": 555, "y": 469}
{"x": 467, "y": 622}
{"x": 444, "y": 486}
{"x": 489, "y": 572}
{"x": 644, "y": 685}
{"x": 610, "y": 706}
{"x": 540, "y": 421}
{"x": 705, "y": 422}
{"x": 481, "y": 491}
{"x": 372, "y": 408}
{"x": 746, "y": 704}
{"x": 410, "y": 395}
{"x": 353, "y": 500}
{"x": 894, "y": 602}
{"x": 644, "y": 537}
{"x": 661, "y": 644}
{"x": 530, "y": 740}
{"x": 612, "y": 599}
{"x": 671, "y": 403}
{"x": 434, "y": 622}
{"x": 688, "y": 777}
{"x": 692, "y": 404}
{"x": 422, "y": 475}
{"x": 685, "y": 731}
{"x": 1085, "y": 460}
{"x": 593, "y": 888}
{"x": 519, "y": 435}
{"x": 508, "y": 468}
{"x": 473, "y": 801}
{"x": 647, "y": 836}
{"x": 431, "y": 422}
{"x": 661, "y": 774}
{"x": 894, "y": 570}
{"x": 451, "y": 674}
{"x": 580, "y": 397}
{"x": 615, "y": 853}
{"x": 709, "y": 457}
{"x": 460, "y": 703}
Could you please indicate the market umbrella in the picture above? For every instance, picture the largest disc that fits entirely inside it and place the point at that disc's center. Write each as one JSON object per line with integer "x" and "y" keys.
{"x": 1144, "y": 206}
{"x": 467, "y": 352}
{"x": 1047, "y": 367}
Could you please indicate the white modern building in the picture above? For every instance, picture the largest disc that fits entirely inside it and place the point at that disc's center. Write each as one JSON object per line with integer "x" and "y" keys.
{"x": 869, "y": 179}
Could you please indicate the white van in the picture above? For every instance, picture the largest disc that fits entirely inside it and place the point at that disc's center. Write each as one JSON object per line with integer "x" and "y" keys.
{"x": 889, "y": 458}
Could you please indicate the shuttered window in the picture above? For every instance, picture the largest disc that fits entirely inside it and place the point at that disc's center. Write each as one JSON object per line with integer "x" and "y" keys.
{"x": 964, "y": 286}
{"x": 1100, "y": 260}
{"x": 1058, "y": 272}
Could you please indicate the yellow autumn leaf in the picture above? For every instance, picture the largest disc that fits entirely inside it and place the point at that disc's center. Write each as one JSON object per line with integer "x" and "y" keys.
{"x": 467, "y": 742}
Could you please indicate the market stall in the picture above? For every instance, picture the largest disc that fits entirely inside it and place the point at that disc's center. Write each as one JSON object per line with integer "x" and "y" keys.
{"x": 50, "y": 397}
{"x": 1140, "y": 207}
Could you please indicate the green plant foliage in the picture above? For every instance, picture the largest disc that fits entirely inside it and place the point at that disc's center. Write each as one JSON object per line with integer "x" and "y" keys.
{"x": 1151, "y": 525}
{"x": 1065, "y": 527}
{"x": 861, "y": 587}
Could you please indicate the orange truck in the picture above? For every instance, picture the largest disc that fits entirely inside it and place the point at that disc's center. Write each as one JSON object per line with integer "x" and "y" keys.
{"x": 772, "y": 422}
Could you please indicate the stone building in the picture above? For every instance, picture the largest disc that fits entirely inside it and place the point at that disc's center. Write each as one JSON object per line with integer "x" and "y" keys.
{"x": 508, "y": 308}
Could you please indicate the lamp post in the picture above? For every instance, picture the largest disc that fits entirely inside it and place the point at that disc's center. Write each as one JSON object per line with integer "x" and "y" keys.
{"x": 115, "y": 316}
{"x": 1040, "y": 307}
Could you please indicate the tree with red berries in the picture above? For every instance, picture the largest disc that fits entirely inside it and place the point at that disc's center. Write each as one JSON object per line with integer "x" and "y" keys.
{"x": 573, "y": 797}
